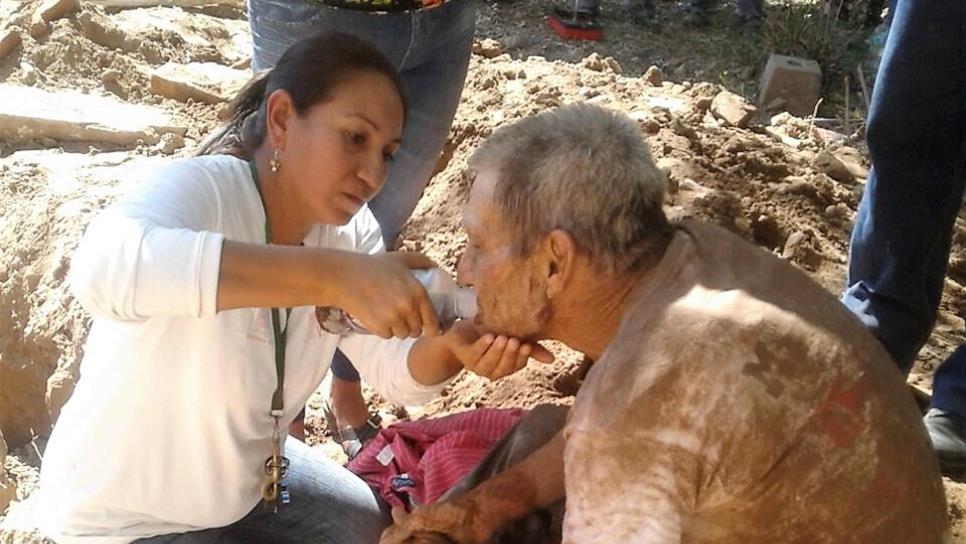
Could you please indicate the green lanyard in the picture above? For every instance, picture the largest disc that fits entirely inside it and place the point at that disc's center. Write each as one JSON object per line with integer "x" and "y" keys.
{"x": 277, "y": 330}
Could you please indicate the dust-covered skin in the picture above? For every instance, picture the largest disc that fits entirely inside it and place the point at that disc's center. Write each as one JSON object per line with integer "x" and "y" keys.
{"x": 511, "y": 294}
{"x": 741, "y": 403}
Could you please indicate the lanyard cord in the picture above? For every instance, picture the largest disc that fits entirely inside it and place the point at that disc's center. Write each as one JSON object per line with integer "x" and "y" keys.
{"x": 277, "y": 330}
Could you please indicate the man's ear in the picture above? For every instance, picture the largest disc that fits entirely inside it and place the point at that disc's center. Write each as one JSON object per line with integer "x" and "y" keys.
{"x": 560, "y": 250}
{"x": 279, "y": 110}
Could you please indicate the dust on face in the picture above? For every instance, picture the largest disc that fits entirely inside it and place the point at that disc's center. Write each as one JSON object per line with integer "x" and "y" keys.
{"x": 510, "y": 288}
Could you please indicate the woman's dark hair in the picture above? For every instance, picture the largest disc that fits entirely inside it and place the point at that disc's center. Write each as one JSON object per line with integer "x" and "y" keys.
{"x": 309, "y": 71}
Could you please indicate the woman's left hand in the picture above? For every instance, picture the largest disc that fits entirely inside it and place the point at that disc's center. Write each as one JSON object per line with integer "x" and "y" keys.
{"x": 489, "y": 355}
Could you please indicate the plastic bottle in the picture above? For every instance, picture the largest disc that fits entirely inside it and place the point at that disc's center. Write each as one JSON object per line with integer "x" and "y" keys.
{"x": 450, "y": 301}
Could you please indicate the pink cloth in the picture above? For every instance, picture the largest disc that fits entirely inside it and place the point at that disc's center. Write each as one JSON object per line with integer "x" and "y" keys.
{"x": 421, "y": 460}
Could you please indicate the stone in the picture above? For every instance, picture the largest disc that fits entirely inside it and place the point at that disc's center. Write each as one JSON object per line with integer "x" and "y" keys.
{"x": 38, "y": 28}
{"x": 27, "y": 113}
{"x": 852, "y": 159}
{"x": 101, "y": 31}
{"x": 9, "y": 40}
{"x": 52, "y": 10}
{"x": 488, "y": 48}
{"x": 170, "y": 143}
{"x": 794, "y": 240}
{"x": 200, "y": 81}
{"x": 653, "y": 76}
{"x": 841, "y": 164}
{"x": 732, "y": 109}
{"x": 613, "y": 65}
{"x": 796, "y": 80}
{"x": 111, "y": 80}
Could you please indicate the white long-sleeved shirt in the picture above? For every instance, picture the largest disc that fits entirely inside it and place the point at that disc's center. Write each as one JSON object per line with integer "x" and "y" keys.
{"x": 169, "y": 425}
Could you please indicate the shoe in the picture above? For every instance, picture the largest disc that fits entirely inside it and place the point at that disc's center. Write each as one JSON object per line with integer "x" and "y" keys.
{"x": 352, "y": 439}
{"x": 947, "y": 432}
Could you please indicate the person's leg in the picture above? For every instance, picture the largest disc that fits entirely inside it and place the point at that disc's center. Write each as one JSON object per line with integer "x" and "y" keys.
{"x": 433, "y": 71}
{"x": 329, "y": 505}
{"x": 900, "y": 243}
{"x": 345, "y": 397}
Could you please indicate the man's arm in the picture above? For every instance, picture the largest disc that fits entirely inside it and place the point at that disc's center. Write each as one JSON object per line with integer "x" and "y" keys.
{"x": 535, "y": 482}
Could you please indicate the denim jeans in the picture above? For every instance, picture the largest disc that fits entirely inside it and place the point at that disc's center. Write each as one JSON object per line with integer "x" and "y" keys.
{"x": 330, "y": 505}
{"x": 917, "y": 143}
{"x": 431, "y": 50}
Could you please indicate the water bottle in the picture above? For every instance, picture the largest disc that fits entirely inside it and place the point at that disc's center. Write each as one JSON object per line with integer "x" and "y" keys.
{"x": 450, "y": 301}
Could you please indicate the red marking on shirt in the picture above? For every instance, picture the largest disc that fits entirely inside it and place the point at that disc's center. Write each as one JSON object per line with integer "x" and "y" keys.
{"x": 840, "y": 414}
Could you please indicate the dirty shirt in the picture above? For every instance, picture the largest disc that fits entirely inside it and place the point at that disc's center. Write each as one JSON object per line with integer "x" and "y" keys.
{"x": 169, "y": 426}
{"x": 742, "y": 403}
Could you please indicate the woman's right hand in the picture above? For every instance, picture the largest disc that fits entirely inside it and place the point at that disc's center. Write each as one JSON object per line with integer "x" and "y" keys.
{"x": 381, "y": 293}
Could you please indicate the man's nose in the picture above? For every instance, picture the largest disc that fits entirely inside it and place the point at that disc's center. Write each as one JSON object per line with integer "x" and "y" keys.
{"x": 464, "y": 273}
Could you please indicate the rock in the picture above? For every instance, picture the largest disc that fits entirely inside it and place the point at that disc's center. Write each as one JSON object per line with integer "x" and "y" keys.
{"x": 702, "y": 104}
{"x": 111, "y": 80}
{"x": 487, "y": 48}
{"x": 593, "y": 62}
{"x": 9, "y": 40}
{"x": 38, "y": 28}
{"x": 170, "y": 143}
{"x": 838, "y": 214}
{"x": 101, "y": 31}
{"x": 8, "y": 490}
{"x": 613, "y": 65}
{"x": 30, "y": 114}
{"x": 852, "y": 159}
{"x": 200, "y": 81}
{"x": 841, "y": 164}
{"x": 52, "y": 10}
{"x": 653, "y": 76}
{"x": 732, "y": 109}
{"x": 798, "y": 81}
{"x": 794, "y": 240}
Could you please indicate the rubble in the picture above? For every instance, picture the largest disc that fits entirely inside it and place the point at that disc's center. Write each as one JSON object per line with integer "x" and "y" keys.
{"x": 653, "y": 76}
{"x": 200, "y": 81}
{"x": 796, "y": 81}
{"x": 732, "y": 109}
{"x": 27, "y": 113}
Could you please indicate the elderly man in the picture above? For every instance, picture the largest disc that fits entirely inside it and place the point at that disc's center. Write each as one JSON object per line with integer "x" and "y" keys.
{"x": 733, "y": 399}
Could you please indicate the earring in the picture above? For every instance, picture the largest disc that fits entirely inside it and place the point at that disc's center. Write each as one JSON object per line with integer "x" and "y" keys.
{"x": 274, "y": 163}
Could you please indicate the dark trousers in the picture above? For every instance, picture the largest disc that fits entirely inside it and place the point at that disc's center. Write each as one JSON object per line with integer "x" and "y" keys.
{"x": 917, "y": 142}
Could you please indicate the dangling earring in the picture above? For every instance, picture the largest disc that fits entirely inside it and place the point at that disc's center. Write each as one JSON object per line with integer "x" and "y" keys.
{"x": 274, "y": 164}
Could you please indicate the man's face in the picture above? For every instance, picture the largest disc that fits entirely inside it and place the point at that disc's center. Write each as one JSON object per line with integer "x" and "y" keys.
{"x": 510, "y": 289}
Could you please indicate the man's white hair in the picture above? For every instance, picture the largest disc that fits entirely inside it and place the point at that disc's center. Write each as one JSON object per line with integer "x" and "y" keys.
{"x": 585, "y": 170}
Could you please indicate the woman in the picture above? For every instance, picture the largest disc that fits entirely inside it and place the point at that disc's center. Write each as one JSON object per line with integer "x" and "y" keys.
{"x": 429, "y": 42}
{"x": 173, "y": 429}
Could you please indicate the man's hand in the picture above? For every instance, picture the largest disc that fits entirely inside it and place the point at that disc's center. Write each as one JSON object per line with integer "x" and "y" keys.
{"x": 492, "y": 356}
{"x": 440, "y": 523}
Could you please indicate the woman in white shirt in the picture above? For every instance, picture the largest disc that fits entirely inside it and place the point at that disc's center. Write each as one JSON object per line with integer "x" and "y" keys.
{"x": 202, "y": 277}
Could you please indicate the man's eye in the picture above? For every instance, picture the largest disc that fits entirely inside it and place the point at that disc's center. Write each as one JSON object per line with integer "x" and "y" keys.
{"x": 389, "y": 157}
{"x": 355, "y": 137}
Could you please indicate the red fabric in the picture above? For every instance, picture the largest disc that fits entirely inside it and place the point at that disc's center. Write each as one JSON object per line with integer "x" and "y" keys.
{"x": 434, "y": 454}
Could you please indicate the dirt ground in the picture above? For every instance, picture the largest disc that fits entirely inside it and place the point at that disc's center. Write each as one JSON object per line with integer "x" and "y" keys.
{"x": 765, "y": 182}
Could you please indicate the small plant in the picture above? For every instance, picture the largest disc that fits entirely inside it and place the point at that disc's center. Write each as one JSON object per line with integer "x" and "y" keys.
{"x": 817, "y": 30}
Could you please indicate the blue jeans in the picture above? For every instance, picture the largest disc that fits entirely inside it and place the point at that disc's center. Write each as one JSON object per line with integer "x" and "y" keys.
{"x": 917, "y": 142}
{"x": 330, "y": 505}
{"x": 431, "y": 50}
